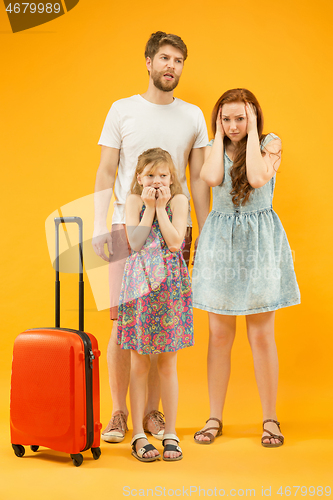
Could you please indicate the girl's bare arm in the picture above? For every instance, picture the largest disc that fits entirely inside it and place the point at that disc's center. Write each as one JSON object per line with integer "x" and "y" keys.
{"x": 173, "y": 231}
{"x": 138, "y": 231}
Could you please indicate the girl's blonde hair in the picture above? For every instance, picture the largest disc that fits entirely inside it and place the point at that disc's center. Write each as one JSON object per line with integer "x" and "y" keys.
{"x": 155, "y": 156}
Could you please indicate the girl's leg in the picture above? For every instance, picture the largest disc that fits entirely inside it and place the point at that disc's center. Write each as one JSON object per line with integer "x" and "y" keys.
{"x": 167, "y": 368}
{"x": 222, "y": 331}
{"x": 140, "y": 364}
{"x": 153, "y": 396}
{"x": 260, "y": 331}
{"x": 153, "y": 419}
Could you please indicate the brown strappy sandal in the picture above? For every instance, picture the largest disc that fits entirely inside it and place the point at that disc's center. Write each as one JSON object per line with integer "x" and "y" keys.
{"x": 209, "y": 434}
{"x": 272, "y": 435}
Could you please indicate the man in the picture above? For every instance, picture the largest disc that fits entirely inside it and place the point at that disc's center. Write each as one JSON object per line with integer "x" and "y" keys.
{"x": 133, "y": 125}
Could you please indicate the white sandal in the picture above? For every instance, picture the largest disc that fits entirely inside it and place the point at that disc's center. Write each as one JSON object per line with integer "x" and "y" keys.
{"x": 171, "y": 447}
{"x": 140, "y": 453}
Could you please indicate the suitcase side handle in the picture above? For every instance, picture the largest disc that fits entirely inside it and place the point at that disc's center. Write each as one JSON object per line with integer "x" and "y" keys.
{"x": 65, "y": 220}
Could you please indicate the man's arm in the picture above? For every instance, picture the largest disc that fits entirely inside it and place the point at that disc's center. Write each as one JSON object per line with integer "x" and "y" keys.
{"x": 103, "y": 192}
{"x": 200, "y": 191}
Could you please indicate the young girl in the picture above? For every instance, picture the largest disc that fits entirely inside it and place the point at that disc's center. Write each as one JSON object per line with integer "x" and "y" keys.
{"x": 243, "y": 264}
{"x": 155, "y": 310}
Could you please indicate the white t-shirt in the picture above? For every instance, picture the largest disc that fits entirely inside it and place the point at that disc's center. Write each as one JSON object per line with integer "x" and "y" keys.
{"x": 134, "y": 125}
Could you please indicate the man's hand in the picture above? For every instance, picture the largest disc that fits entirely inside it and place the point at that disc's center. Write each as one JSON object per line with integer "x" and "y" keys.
{"x": 100, "y": 238}
{"x": 195, "y": 249}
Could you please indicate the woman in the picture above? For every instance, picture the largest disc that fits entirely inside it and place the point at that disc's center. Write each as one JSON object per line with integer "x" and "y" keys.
{"x": 243, "y": 264}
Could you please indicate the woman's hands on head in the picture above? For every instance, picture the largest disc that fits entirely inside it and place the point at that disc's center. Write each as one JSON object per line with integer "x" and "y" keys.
{"x": 251, "y": 114}
{"x": 219, "y": 124}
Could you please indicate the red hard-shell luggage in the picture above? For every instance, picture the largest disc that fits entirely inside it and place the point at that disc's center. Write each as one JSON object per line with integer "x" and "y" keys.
{"x": 55, "y": 382}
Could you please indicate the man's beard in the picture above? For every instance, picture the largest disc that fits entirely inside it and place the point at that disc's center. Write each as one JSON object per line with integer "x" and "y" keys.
{"x": 165, "y": 86}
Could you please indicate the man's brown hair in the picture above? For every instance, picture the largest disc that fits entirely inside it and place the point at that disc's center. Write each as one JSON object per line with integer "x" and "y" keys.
{"x": 160, "y": 38}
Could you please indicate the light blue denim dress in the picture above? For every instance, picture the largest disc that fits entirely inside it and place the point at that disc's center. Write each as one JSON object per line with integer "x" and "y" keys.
{"x": 243, "y": 263}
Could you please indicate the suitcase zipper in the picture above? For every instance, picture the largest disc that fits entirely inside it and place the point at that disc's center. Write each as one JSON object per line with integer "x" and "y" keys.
{"x": 88, "y": 357}
{"x": 91, "y": 357}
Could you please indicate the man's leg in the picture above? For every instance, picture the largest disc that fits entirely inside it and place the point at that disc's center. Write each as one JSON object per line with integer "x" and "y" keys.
{"x": 187, "y": 246}
{"x": 119, "y": 364}
{"x": 119, "y": 360}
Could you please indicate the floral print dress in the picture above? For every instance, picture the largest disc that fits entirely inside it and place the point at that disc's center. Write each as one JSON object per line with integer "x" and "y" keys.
{"x": 155, "y": 306}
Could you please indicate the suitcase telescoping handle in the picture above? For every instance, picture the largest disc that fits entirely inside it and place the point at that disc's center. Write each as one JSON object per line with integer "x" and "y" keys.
{"x": 58, "y": 221}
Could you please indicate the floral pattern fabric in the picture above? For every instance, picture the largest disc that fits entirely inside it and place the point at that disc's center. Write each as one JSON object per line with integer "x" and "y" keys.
{"x": 155, "y": 306}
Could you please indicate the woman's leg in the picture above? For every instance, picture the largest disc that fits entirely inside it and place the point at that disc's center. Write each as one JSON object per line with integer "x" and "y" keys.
{"x": 140, "y": 364}
{"x": 167, "y": 369}
{"x": 260, "y": 331}
{"x": 222, "y": 331}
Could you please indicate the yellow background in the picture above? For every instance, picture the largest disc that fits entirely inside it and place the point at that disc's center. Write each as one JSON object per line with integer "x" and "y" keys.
{"x": 58, "y": 82}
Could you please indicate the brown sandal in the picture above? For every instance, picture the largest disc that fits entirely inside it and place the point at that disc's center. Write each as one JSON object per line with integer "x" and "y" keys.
{"x": 209, "y": 434}
{"x": 272, "y": 435}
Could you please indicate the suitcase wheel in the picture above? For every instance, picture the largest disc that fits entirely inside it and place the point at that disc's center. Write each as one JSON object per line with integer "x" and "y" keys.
{"x": 77, "y": 459}
{"x": 34, "y": 447}
{"x": 96, "y": 453}
{"x": 19, "y": 450}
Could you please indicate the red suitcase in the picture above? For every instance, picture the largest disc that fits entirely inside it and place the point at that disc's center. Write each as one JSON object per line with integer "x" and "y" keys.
{"x": 55, "y": 383}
